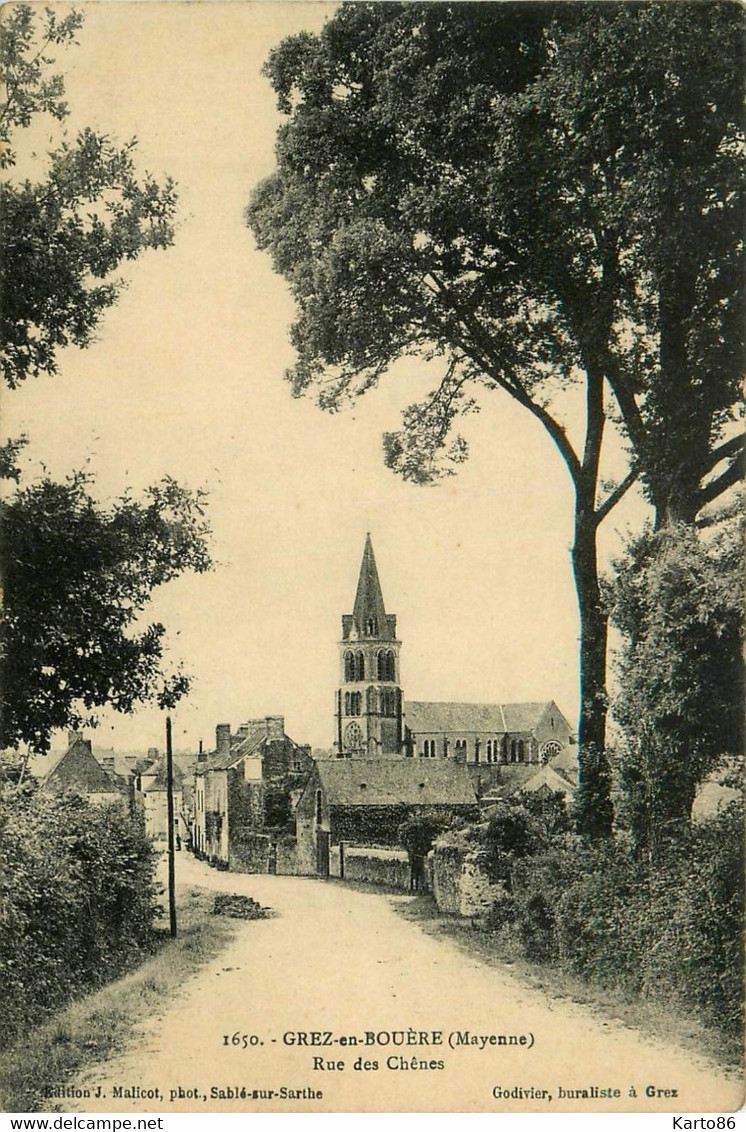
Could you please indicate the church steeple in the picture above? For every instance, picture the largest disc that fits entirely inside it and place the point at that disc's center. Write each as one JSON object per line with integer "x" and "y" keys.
{"x": 369, "y": 619}
{"x": 369, "y": 701}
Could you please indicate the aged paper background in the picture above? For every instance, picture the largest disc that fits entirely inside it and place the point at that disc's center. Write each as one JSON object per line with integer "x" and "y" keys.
{"x": 186, "y": 379}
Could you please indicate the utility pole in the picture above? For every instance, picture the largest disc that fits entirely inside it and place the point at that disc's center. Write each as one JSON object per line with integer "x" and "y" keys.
{"x": 171, "y": 845}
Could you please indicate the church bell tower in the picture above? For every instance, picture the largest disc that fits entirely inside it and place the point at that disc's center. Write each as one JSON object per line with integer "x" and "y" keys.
{"x": 368, "y": 721}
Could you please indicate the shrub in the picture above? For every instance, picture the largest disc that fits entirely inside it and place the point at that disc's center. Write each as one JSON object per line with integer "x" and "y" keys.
{"x": 77, "y": 900}
{"x": 668, "y": 929}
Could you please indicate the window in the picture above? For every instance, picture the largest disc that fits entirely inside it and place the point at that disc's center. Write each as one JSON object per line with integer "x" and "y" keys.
{"x": 390, "y": 674}
{"x": 349, "y": 667}
{"x": 521, "y": 751}
{"x": 489, "y": 750}
{"x": 428, "y": 749}
{"x": 371, "y": 627}
{"x": 359, "y": 667}
{"x": 381, "y": 661}
{"x": 550, "y": 750}
{"x": 347, "y": 703}
{"x": 513, "y": 750}
{"x": 319, "y": 807}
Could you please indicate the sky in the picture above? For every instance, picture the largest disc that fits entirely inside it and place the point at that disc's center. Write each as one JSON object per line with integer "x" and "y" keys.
{"x": 186, "y": 379}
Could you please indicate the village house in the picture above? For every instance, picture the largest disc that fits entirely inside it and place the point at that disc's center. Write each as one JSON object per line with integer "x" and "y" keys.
{"x": 152, "y": 789}
{"x": 248, "y": 785}
{"x": 78, "y": 770}
{"x": 364, "y": 801}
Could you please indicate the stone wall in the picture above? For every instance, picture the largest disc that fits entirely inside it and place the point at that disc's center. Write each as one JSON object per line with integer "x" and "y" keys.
{"x": 252, "y": 852}
{"x": 387, "y": 867}
{"x": 458, "y": 884}
{"x": 249, "y": 852}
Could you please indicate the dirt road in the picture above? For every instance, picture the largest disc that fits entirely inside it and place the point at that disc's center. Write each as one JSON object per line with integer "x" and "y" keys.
{"x": 342, "y": 964}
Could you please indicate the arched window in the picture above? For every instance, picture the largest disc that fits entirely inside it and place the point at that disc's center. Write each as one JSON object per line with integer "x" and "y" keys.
{"x": 489, "y": 750}
{"x": 521, "y": 751}
{"x": 504, "y": 749}
{"x": 381, "y": 664}
{"x": 356, "y": 703}
{"x": 347, "y": 703}
{"x": 550, "y": 750}
{"x": 359, "y": 667}
{"x": 371, "y": 627}
{"x": 390, "y": 673}
{"x": 319, "y": 810}
{"x": 513, "y": 750}
{"x": 349, "y": 667}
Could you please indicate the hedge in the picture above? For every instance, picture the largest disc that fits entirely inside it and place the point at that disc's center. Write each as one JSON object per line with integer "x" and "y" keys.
{"x": 77, "y": 900}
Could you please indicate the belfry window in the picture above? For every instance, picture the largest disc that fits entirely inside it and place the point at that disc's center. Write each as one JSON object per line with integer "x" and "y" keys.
{"x": 349, "y": 667}
{"x": 359, "y": 667}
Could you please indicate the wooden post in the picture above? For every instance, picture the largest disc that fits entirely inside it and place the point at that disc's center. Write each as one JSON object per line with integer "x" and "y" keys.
{"x": 171, "y": 846}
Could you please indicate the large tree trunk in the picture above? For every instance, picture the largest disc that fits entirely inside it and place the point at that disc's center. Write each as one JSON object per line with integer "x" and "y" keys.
{"x": 594, "y": 812}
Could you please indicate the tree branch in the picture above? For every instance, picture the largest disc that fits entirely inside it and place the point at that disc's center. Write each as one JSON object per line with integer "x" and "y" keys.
{"x": 620, "y": 490}
{"x": 727, "y": 448}
{"x": 480, "y": 349}
{"x": 732, "y": 474}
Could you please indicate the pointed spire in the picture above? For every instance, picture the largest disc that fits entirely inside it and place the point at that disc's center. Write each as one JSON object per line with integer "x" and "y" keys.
{"x": 369, "y": 613}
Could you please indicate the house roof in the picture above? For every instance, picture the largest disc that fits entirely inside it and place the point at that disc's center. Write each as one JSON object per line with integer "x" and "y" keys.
{"x": 157, "y": 772}
{"x": 250, "y": 742}
{"x": 546, "y": 778}
{"x": 427, "y": 718}
{"x": 387, "y": 782}
{"x": 77, "y": 769}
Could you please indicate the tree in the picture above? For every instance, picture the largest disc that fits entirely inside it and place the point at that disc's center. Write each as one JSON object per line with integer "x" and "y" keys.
{"x": 484, "y": 184}
{"x": 677, "y": 597}
{"x": 76, "y": 577}
{"x": 64, "y": 237}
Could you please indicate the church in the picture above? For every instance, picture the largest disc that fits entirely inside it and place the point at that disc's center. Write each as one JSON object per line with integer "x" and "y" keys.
{"x": 498, "y": 742}
{"x": 395, "y": 759}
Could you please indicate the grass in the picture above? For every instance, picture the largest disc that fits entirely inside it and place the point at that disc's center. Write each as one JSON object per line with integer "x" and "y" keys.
{"x": 657, "y": 1019}
{"x": 92, "y": 1028}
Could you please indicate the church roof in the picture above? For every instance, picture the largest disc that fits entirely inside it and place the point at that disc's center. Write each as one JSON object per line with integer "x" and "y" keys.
{"x": 390, "y": 782}
{"x": 369, "y": 617}
{"x": 424, "y": 718}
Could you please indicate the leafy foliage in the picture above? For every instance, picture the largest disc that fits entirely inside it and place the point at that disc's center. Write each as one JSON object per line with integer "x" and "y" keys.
{"x": 76, "y": 578}
{"x": 65, "y": 236}
{"x": 530, "y": 192}
{"x": 78, "y": 899}
{"x": 418, "y": 832}
{"x": 669, "y": 931}
{"x": 678, "y": 600}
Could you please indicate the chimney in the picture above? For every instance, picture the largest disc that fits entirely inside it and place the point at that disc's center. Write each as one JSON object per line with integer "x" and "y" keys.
{"x": 201, "y": 753}
{"x": 153, "y": 753}
{"x": 223, "y": 738}
{"x": 275, "y": 725}
{"x": 73, "y": 736}
{"x": 107, "y": 762}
